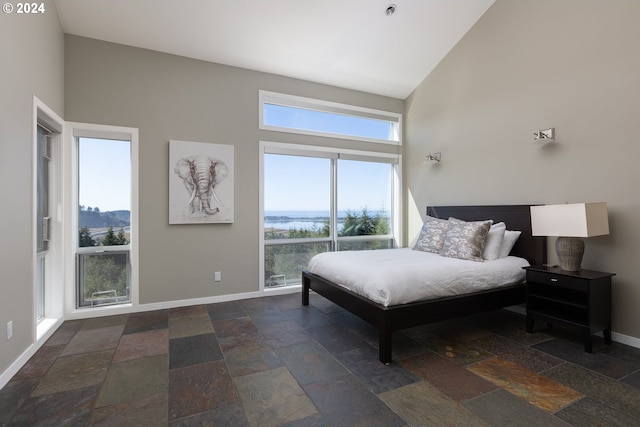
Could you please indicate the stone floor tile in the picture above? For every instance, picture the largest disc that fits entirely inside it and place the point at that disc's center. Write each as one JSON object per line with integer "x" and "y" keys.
{"x": 633, "y": 379}
{"x": 593, "y": 412}
{"x": 186, "y": 326}
{"x": 452, "y": 379}
{"x": 512, "y": 351}
{"x": 40, "y": 362}
{"x": 94, "y": 339}
{"x": 536, "y": 389}
{"x": 135, "y": 379}
{"x": 200, "y": 388}
{"x": 626, "y": 353}
{"x": 322, "y": 304}
{"x": 309, "y": 362}
{"x": 226, "y": 311}
{"x": 75, "y": 371}
{"x": 421, "y": 404}
{"x": 192, "y": 350}
{"x": 104, "y": 322}
{"x": 146, "y": 412}
{"x": 67, "y": 408}
{"x": 378, "y": 377}
{"x": 223, "y": 416}
{"x": 336, "y": 339}
{"x": 188, "y": 311}
{"x": 273, "y": 398}
{"x": 150, "y": 343}
{"x": 234, "y": 332}
{"x": 64, "y": 334}
{"x": 501, "y": 408}
{"x": 147, "y": 321}
{"x": 254, "y": 355}
{"x": 456, "y": 351}
{"x": 13, "y": 395}
{"x": 598, "y": 362}
{"x": 618, "y": 395}
{"x": 284, "y": 334}
{"x": 345, "y": 401}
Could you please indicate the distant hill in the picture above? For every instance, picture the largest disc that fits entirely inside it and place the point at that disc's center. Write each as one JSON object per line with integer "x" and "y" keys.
{"x": 94, "y": 218}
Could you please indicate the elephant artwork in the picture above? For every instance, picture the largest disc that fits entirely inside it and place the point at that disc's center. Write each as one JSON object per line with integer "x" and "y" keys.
{"x": 200, "y": 176}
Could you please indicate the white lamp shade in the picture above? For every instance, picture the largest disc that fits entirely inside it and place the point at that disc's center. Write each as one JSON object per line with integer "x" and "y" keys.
{"x": 570, "y": 220}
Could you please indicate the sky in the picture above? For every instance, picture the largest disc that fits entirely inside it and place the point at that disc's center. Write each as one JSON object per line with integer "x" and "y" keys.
{"x": 294, "y": 183}
{"x": 291, "y": 182}
{"x": 104, "y": 174}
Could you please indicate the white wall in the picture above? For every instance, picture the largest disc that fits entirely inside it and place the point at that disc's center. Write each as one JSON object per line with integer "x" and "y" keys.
{"x": 32, "y": 52}
{"x": 570, "y": 64}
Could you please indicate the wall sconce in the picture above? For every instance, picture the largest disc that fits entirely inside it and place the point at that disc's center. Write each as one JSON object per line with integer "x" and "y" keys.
{"x": 433, "y": 157}
{"x": 544, "y": 136}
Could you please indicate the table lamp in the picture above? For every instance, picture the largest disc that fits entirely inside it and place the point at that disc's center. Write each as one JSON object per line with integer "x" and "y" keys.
{"x": 570, "y": 222}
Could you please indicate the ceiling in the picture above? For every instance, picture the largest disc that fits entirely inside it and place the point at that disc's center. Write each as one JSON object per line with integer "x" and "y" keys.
{"x": 349, "y": 43}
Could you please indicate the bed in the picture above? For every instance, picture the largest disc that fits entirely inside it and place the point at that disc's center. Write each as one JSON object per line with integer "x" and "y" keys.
{"x": 389, "y": 318}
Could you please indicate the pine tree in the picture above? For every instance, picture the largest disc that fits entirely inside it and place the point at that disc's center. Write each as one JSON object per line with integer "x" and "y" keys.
{"x": 109, "y": 238}
{"x": 120, "y": 238}
{"x": 85, "y": 238}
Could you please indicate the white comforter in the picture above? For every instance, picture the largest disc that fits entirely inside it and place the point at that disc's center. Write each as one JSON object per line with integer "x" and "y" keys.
{"x": 399, "y": 276}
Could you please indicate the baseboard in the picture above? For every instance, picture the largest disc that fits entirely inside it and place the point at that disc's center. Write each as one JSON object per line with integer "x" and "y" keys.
{"x": 17, "y": 364}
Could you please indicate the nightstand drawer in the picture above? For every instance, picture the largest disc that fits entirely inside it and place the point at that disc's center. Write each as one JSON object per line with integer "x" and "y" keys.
{"x": 557, "y": 280}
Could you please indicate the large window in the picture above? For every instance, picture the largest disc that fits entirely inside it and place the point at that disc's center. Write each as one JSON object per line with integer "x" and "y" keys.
{"x": 105, "y": 223}
{"x": 325, "y": 203}
{"x": 317, "y": 198}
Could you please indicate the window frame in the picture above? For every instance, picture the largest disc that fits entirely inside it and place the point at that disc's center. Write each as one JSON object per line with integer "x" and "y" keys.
{"x": 48, "y": 265}
{"x": 73, "y": 132}
{"x": 274, "y": 98}
{"x": 335, "y": 154}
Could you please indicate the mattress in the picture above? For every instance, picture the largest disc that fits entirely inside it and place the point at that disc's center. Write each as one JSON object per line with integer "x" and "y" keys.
{"x": 400, "y": 276}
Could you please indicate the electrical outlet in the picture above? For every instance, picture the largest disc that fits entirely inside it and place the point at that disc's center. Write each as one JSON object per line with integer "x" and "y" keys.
{"x": 9, "y": 329}
{"x": 217, "y": 276}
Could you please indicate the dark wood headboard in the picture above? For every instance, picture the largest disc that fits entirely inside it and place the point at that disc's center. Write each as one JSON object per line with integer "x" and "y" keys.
{"x": 516, "y": 217}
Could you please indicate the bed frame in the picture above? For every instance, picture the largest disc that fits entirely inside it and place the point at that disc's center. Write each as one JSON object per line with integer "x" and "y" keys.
{"x": 392, "y": 318}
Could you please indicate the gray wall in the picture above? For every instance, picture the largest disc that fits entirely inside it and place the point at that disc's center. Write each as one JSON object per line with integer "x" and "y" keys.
{"x": 570, "y": 64}
{"x": 32, "y": 52}
{"x": 171, "y": 97}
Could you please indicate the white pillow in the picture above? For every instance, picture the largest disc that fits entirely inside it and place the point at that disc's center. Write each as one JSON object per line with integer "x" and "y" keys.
{"x": 508, "y": 241}
{"x": 494, "y": 241}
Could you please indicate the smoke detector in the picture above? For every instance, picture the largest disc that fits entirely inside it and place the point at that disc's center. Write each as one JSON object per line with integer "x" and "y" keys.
{"x": 390, "y": 10}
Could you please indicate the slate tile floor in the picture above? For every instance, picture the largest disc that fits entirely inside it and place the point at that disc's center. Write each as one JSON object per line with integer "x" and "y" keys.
{"x": 271, "y": 362}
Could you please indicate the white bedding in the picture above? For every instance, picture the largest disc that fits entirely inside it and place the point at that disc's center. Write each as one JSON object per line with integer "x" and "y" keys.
{"x": 399, "y": 276}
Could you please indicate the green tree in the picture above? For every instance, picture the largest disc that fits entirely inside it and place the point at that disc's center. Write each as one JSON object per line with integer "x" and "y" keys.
{"x": 104, "y": 273}
{"x": 109, "y": 239}
{"x": 85, "y": 238}
{"x": 120, "y": 237}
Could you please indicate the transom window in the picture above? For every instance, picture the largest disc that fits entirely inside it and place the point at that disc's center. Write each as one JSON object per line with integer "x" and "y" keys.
{"x": 287, "y": 113}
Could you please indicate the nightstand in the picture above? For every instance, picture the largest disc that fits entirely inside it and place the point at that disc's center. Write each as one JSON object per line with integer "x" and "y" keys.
{"x": 579, "y": 298}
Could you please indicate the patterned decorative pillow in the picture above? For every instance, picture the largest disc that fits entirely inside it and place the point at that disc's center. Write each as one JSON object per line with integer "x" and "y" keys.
{"x": 465, "y": 240}
{"x": 432, "y": 235}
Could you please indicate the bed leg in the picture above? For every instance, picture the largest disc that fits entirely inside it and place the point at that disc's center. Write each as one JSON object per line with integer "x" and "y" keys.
{"x": 305, "y": 290}
{"x": 385, "y": 345}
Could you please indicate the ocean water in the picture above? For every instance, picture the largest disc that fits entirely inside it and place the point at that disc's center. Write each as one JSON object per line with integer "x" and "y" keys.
{"x": 303, "y": 220}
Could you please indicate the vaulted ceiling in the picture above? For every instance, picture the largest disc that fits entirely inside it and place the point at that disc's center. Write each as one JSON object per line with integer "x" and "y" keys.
{"x": 353, "y": 44}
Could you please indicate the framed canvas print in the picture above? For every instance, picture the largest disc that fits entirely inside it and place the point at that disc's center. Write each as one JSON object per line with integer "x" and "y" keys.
{"x": 200, "y": 183}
